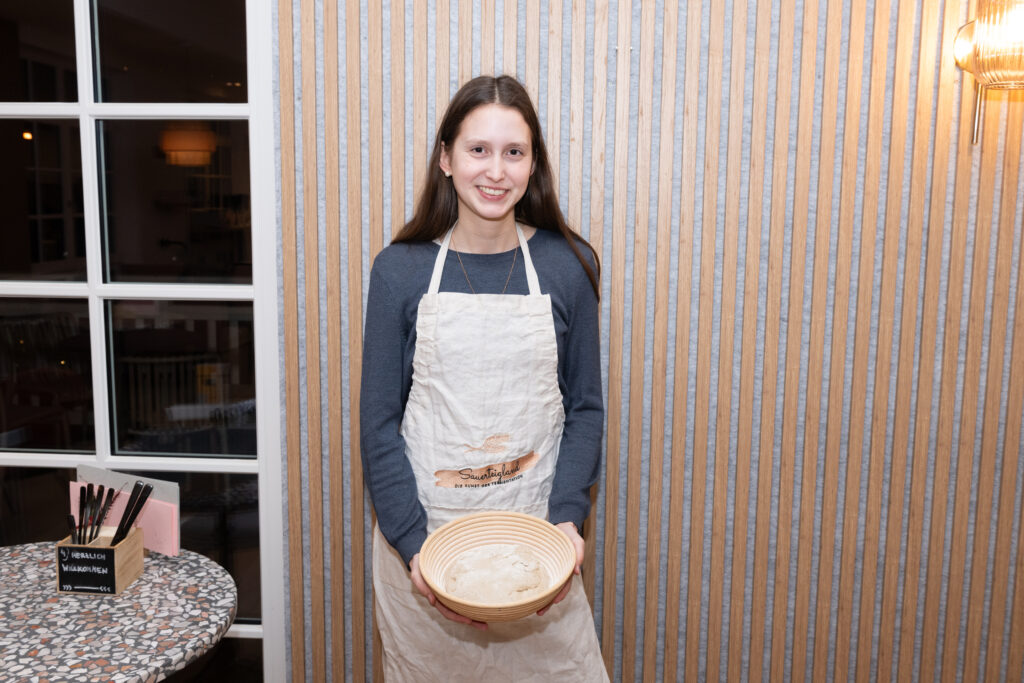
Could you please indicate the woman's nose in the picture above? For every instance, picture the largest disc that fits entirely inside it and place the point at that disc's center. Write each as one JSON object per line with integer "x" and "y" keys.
{"x": 496, "y": 168}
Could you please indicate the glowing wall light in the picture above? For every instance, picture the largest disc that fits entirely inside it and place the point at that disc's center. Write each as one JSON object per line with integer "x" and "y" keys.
{"x": 991, "y": 48}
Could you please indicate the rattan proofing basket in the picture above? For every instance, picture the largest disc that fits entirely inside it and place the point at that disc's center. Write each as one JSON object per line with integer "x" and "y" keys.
{"x": 446, "y": 543}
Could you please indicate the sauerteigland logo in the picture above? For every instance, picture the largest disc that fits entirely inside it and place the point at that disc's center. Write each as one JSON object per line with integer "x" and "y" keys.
{"x": 488, "y": 475}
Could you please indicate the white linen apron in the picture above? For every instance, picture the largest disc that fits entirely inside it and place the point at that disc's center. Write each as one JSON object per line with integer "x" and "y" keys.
{"x": 482, "y": 428}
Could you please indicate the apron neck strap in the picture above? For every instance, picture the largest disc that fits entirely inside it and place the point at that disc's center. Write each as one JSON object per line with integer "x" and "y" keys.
{"x": 442, "y": 256}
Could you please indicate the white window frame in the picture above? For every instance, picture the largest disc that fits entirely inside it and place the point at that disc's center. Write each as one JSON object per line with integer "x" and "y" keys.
{"x": 259, "y": 112}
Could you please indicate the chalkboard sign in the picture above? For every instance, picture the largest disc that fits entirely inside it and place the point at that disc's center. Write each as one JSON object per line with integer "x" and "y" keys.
{"x": 86, "y": 569}
{"x": 99, "y": 568}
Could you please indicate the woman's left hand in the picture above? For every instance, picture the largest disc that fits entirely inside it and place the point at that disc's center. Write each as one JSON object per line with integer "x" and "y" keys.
{"x": 569, "y": 529}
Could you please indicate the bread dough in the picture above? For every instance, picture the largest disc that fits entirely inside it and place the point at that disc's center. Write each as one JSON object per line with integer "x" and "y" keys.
{"x": 497, "y": 573}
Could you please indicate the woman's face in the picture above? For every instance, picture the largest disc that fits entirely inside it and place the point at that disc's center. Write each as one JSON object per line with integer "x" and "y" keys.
{"x": 490, "y": 162}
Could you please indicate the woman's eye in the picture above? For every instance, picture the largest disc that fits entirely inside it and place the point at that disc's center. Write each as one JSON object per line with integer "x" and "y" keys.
{"x": 476, "y": 150}
{"x": 516, "y": 152}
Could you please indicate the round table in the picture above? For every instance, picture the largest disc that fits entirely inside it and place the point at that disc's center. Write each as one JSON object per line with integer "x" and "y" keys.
{"x": 172, "y": 614}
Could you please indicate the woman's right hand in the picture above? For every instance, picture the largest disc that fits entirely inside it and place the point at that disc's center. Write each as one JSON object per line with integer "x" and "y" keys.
{"x": 424, "y": 589}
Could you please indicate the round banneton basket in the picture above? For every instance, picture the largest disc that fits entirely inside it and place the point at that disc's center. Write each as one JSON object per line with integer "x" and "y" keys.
{"x": 444, "y": 545}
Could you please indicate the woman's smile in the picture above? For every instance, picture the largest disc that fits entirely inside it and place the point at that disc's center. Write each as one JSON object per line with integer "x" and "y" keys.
{"x": 492, "y": 192}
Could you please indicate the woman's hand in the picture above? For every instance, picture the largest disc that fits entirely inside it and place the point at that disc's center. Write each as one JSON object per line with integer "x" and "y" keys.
{"x": 569, "y": 529}
{"x": 424, "y": 589}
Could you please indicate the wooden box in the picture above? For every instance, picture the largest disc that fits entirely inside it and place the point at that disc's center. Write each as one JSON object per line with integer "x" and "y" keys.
{"x": 97, "y": 567}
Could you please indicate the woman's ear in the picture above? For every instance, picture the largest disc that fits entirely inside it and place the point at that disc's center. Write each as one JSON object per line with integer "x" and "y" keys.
{"x": 445, "y": 162}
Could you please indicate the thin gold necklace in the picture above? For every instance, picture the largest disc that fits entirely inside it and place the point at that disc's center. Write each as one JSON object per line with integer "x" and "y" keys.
{"x": 507, "y": 279}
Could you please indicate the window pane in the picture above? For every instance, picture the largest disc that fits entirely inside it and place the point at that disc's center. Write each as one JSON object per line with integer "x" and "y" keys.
{"x": 219, "y": 518}
{"x": 176, "y": 201}
{"x": 183, "y": 378}
{"x": 184, "y": 51}
{"x": 41, "y": 212}
{"x": 37, "y": 51}
{"x": 33, "y": 504}
{"x": 45, "y": 375}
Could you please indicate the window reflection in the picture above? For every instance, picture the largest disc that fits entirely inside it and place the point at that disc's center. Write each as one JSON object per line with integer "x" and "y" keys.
{"x": 183, "y": 51}
{"x": 41, "y": 206}
{"x": 219, "y": 518}
{"x": 183, "y": 378}
{"x": 37, "y": 51}
{"x": 176, "y": 201}
{"x": 45, "y": 375}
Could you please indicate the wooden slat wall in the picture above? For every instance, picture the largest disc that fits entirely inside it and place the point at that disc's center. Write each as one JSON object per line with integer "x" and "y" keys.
{"x": 813, "y": 315}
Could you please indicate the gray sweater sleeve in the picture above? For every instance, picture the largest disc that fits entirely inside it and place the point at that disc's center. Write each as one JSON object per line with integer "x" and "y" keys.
{"x": 579, "y": 363}
{"x": 383, "y": 393}
{"x": 398, "y": 280}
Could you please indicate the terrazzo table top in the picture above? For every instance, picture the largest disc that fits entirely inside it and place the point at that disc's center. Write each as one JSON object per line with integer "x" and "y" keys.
{"x": 177, "y": 610}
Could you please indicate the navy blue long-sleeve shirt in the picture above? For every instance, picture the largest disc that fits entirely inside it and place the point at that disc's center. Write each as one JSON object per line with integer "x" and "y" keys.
{"x": 399, "y": 278}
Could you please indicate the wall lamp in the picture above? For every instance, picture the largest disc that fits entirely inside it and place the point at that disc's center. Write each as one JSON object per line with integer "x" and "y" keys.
{"x": 991, "y": 48}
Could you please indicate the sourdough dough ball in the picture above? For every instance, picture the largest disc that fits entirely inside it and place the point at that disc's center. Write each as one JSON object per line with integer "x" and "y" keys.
{"x": 497, "y": 573}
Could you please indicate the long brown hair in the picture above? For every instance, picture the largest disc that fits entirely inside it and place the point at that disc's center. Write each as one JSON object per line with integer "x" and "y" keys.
{"x": 438, "y": 205}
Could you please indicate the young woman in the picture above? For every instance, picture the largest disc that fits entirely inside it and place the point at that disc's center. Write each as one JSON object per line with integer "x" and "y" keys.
{"x": 481, "y": 358}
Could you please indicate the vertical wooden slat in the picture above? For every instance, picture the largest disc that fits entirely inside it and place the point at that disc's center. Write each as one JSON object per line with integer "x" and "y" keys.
{"x": 908, "y": 331}
{"x": 531, "y": 77}
{"x": 970, "y": 388}
{"x": 948, "y": 393}
{"x": 375, "y": 141}
{"x": 335, "y": 448}
{"x": 687, "y": 214}
{"x": 637, "y": 336}
{"x": 398, "y": 151}
{"x": 985, "y": 487}
{"x": 773, "y": 299}
{"x": 353, "y": 173}
{"x": 861, "y": 343}
{"x": 837, "y": 380}
{"x": 615, "y": 330}
{"x": 705, "y": 303}
{"x": 744, "y": 433}
{"x": 949, "y": 79}
{"x": 553, "y": 130}
{"x": 311, "y": 250}
{"x": 1011, "y": 439}
{"x": 886, "y": 315}
{"x": 420, "y": 134}
{"x": 816, "y": 346}
{"x": 727, "y": 326}
{"x": 486, "y": 37}
{"x": 792, "y": 390}
{"x": 594, "y": 232}
{"x": 465, "y": 47}
{"x": 577, "y": 71}
{"x": 659, "y": 367}
{"x": 289, "y": 268}
{"x": 598, "y": 130}
{"x": 442, "y": 60}
{"x": 509, "y": 36}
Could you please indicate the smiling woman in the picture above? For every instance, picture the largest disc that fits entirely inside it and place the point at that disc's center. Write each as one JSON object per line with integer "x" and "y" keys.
{"x": 483, "y": 348}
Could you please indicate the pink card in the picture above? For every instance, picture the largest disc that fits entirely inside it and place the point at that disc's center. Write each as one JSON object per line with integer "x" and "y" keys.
{"x": 158, "y": 520}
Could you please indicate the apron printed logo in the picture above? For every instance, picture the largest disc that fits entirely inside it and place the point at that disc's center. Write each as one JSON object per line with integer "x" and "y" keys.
{"x": 488, "y": 475}
{"x": 492, "y": 444}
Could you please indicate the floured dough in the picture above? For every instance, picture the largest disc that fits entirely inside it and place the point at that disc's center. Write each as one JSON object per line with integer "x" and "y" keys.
{"x": 497, "y": 573}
